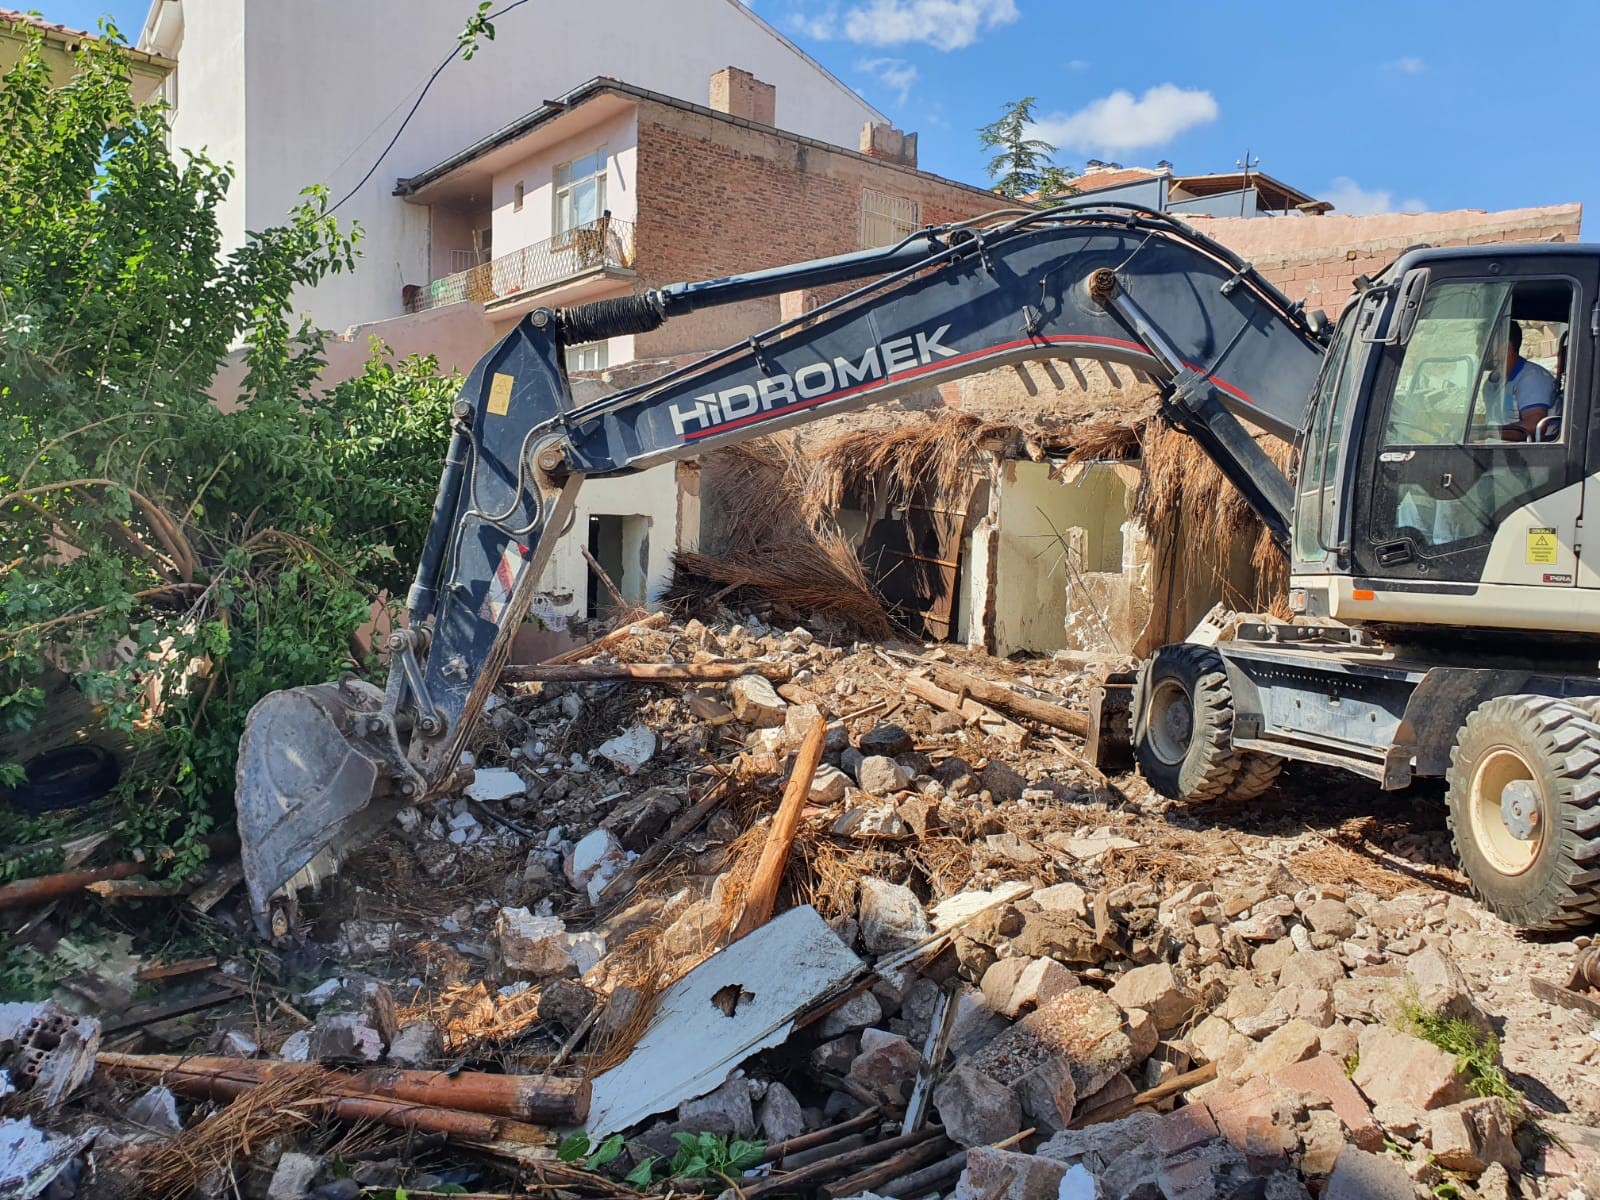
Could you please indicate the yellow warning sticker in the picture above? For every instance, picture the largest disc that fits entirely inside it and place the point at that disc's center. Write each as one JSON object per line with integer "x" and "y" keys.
{"x": 500, "y": 402}
{"x": 1542, "y": 546}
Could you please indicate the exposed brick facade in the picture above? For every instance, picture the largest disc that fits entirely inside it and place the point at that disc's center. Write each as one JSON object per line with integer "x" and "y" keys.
{"x": 1317, "y": 259}
{"x": 720, "y": 196}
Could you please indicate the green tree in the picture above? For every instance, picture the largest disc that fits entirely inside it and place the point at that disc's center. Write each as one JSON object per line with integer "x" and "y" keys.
{"x": 1021, "y": 165}
{"x": 177, "y": 560}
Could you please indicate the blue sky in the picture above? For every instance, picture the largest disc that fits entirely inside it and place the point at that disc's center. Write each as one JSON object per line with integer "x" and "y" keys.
{"x": 1373, "y": 105}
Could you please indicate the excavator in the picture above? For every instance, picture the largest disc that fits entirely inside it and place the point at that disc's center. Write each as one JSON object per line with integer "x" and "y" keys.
{"x": 1445, "y": 622}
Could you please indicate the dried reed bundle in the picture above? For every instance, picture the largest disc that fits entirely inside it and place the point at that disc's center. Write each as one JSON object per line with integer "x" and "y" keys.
{"x": 176, "y": 1166}
{"x": 822, "y": 577}
{"x": 931, "y": 458}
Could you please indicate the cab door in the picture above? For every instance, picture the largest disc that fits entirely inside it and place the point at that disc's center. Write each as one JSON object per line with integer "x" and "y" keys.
{"x": 1452, "y": 500}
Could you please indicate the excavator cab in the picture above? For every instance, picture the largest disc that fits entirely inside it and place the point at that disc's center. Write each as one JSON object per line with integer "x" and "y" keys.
{"x": 1444, "y": 464}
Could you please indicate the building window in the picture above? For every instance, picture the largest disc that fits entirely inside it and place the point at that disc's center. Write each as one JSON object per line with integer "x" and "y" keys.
{"x": 516, "y": 202}
{"x": 593, "y": 356}
{"x": 886, "y": 219}
{"x": 580, "y": 191}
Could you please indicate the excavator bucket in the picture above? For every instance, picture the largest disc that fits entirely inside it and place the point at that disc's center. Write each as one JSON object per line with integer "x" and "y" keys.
{"x": 308, "y": 781}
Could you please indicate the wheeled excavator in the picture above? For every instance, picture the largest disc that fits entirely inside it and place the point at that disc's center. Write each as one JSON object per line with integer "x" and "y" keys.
{"x": 1446, "y": 622}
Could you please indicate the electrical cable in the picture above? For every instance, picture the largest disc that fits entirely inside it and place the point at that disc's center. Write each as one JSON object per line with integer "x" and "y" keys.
{"x": 421, "y": 96}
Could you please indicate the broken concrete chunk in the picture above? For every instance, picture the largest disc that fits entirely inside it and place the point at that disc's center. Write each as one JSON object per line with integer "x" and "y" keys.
{"x": 1293, "y": 1042}
{"x": 1471, "y": 1136}
{"x": 294, "y": 1176}
{"x": 1066, "y": 898}
{"x": 156, "y": 1110}
{"x": 1324, "y": 1075}
{"x": 856, "y": 1013}
{"x": 1319, "y": 969}
{"x": 1358, "y": 1175}
{"x": 630, "y": 749}
{"x": 491, "y": 784}
{"x": 731, "y": 1102}
{"x": 1081, "y": 1026}
{"x": 871, "y": 822}
{"x": 1396, "y": 1068}
{"x": 1014, "y": 986}
{"x": 780, "y": 1116}
{"x": 1048, "y": 1095}
{"x": 566, "y": 1003}
{"x": 828, "y": 785}
{"x": 835, "y": 1056}
{"x": 891, "y": 917}
{"x": 1442, "y": 988}
{"x": 798, "y": 721}
{"x": 886, "y": 1065}
{"x": 344, "y": 1038}
{"x": 954, "y": 910}
{"x": 595, "y": 861}
{"x": 1007, "y": 1175}
{"x": 1158, "y": 991}
{"x": 1331, "y": 917}
{"x": 882, "y": 776}
{"x": 645, "y": 818}
{"x": 976, "y": 1110}
{"x": 530, "y": 947}
{"x": 975, "y": 1024}
{"x": 1142, "y": 1032}
{"x": 755, "y": 702}
{"x": 888, "y": 740}
{"x": 296, "y": 1047}
{"x": 417, "y": 1044}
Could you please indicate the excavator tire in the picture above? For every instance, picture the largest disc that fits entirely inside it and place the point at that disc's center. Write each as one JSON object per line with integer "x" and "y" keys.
{"x": 1524, "y": 809}
{"x": 1183, "y": 730}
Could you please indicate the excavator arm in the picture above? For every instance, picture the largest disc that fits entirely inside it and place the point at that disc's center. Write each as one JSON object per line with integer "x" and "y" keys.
{"x": 322, "y": 767}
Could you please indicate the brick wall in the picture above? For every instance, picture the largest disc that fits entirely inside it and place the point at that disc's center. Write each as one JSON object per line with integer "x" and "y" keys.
{"x": 718, "y": 197}
{"x": 1317, "y": 259}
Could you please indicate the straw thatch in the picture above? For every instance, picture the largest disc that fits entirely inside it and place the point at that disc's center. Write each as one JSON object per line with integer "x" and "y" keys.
{"x": 771, "y": 546}
{"x": 1195, "y": 516}
{"x": 933, "y": 458}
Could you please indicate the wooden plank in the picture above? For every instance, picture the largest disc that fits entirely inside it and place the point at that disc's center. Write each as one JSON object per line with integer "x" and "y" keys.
{"x": 1566, "y": 997}
{"x": 991, "y": 722}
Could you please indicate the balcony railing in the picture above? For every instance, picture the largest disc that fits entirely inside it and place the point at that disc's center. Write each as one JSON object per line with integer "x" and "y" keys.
{"x": 606, "y": 243}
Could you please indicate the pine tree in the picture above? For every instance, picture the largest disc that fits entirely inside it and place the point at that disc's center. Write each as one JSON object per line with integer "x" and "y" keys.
{"x": 1022, "y": 164}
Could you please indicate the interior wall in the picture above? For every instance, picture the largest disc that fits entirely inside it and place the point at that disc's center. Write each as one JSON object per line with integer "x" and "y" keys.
{"x": 1035, "y": 514}
{"x": 650, "y": 503}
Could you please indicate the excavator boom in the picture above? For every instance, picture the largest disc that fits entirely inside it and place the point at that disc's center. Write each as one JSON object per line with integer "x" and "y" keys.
{"x": 322, "y": 767}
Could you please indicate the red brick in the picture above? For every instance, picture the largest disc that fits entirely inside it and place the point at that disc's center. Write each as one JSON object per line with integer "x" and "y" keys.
{"x": 1182, "y": 1129}
{"x": 1325, "y": 1076}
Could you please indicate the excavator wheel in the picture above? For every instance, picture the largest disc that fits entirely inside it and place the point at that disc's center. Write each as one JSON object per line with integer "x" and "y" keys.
{"x": 1183, "y": 730}
{"x": 1524, "y": 809}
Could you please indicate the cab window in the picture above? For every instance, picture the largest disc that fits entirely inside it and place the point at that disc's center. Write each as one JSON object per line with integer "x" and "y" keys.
{"x": 1477, "y": 386}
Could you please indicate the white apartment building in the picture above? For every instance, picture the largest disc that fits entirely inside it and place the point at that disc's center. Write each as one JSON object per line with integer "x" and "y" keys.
{"x": 299, "y": 92}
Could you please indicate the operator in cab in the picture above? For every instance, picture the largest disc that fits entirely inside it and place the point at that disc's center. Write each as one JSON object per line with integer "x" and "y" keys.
{"x": 1529, "y": 392}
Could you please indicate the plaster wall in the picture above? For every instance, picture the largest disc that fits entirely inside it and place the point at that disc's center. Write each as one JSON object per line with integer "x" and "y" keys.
{"x": 299, "y": 92}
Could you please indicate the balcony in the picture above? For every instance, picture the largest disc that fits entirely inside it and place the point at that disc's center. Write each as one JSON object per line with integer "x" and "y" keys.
{"x": 600, "y": 248}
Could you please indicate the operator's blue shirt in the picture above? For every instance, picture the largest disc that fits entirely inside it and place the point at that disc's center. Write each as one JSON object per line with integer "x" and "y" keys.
{"x": 1528, "y": 386}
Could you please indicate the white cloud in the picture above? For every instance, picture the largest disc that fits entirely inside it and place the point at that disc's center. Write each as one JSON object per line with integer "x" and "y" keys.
{"x": 1410, "y": 64}
{"x": 942, "y": 24}
{"x": 1120, "y": 122}
{"x": 895, "y": 74}
{"x": 1079, "y": 64}
{"x": 1350, "y": 198}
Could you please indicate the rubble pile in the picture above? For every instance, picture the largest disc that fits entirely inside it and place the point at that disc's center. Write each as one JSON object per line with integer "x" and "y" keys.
{"x": 950, "y": 958}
